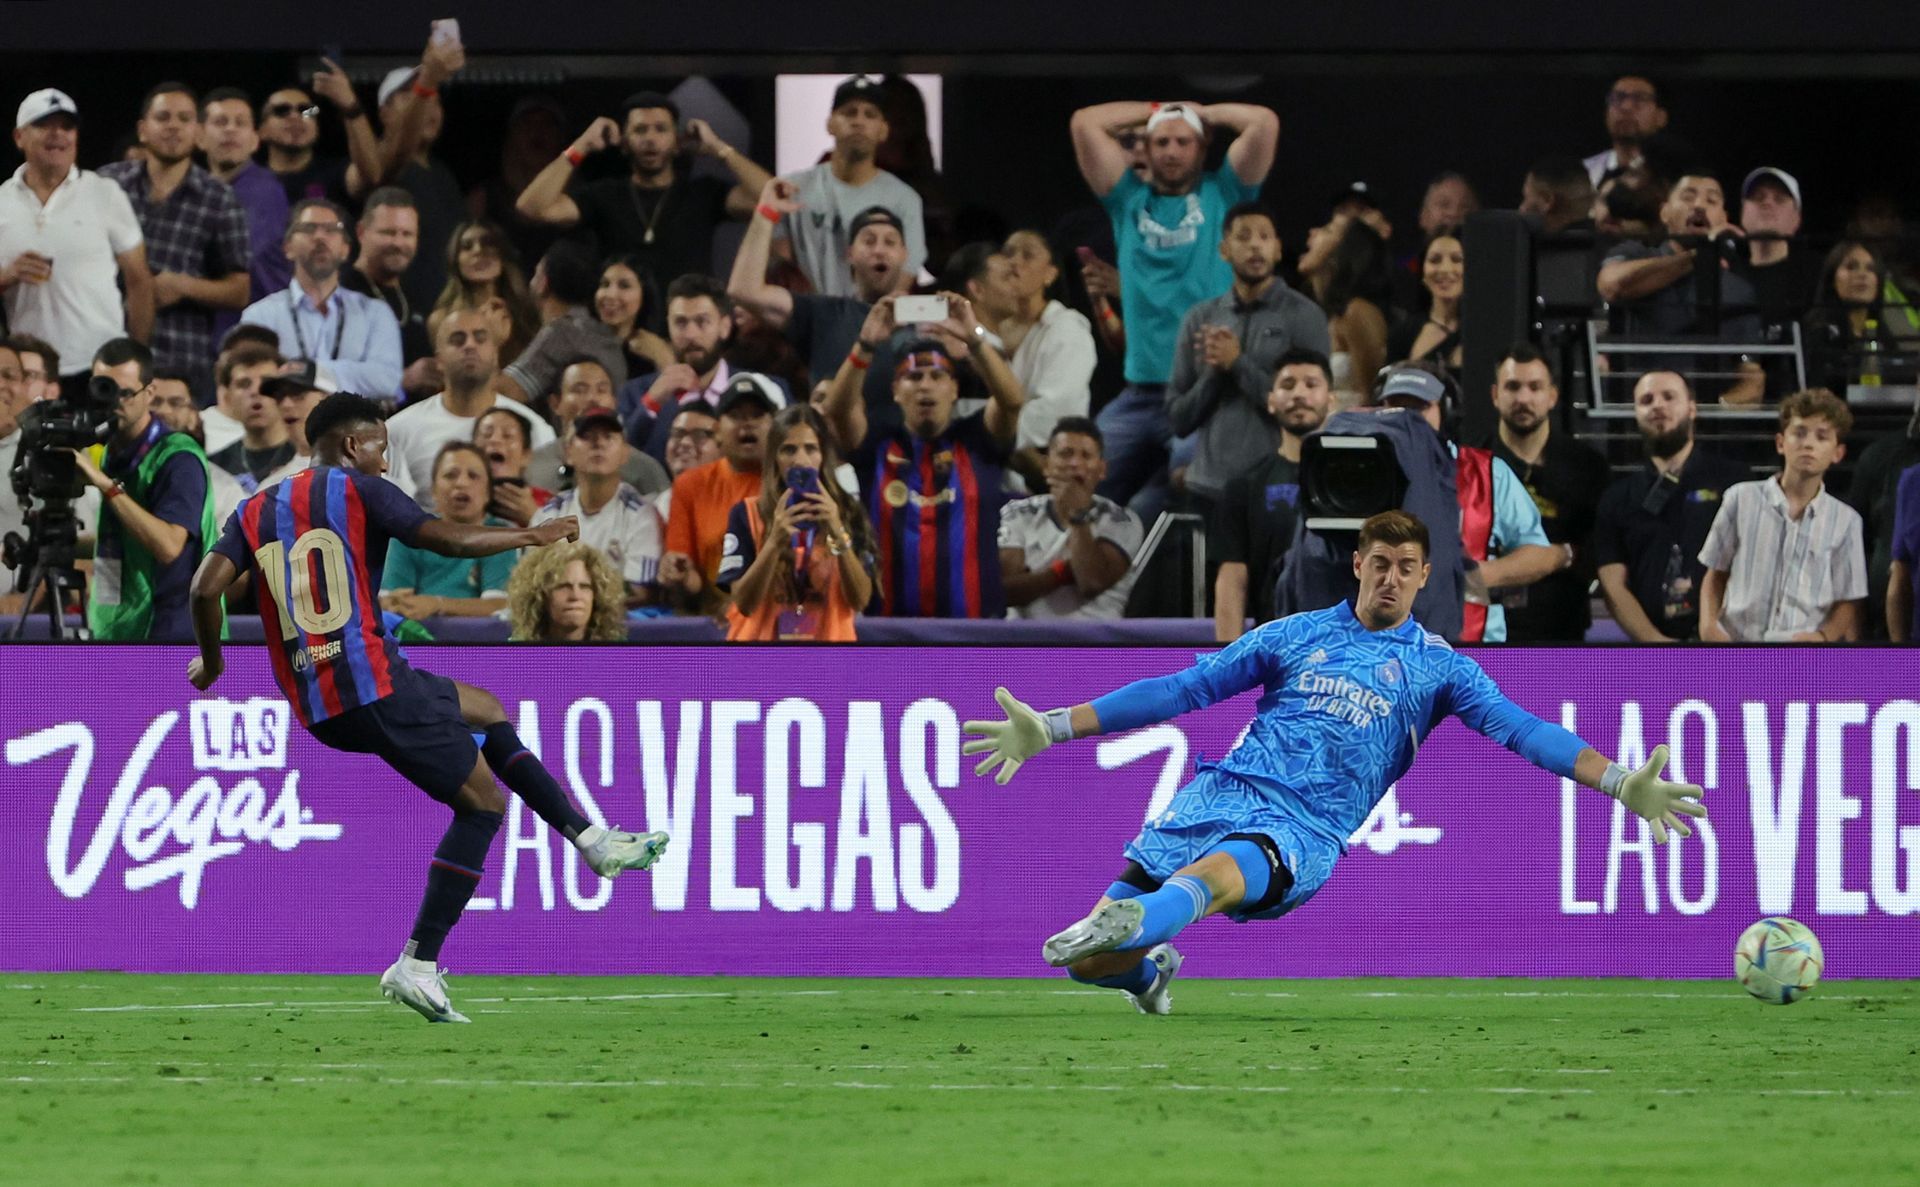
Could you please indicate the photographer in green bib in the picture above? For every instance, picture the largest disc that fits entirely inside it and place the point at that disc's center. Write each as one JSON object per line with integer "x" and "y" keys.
{"x": 156, "y": 510}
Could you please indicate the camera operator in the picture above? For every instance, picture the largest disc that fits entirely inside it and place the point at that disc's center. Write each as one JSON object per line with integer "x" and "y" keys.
{"x": 156, "y": 514}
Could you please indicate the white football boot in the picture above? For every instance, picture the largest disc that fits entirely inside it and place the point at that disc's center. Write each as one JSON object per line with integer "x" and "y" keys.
{"x": 421, "y": 986}
{"x": 1158, "y": 997}
{"x": 1106, "y": 929}
{"x": 608, "y": 851}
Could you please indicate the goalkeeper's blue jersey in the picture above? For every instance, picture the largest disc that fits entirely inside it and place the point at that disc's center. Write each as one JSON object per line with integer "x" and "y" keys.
{"x": 1343, "y": 711}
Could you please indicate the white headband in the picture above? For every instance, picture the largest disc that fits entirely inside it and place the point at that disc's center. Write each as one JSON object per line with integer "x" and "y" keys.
{"x": 1176, "y": 111}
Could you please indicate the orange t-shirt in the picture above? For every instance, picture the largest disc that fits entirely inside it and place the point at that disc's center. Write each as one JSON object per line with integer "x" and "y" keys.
{"x": 702, "y": 499}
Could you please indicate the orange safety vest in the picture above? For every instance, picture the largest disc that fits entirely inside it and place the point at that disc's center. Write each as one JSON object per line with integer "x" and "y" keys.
{"x": 763, "y": 625}
{"x": 1473, "y": 475}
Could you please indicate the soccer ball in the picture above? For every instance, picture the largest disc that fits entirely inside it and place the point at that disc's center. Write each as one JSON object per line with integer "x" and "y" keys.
{"x": 1778, "y": 960}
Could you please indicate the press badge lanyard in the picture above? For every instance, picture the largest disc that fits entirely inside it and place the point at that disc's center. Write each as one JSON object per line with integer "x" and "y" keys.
{"x": 339, "y": 331}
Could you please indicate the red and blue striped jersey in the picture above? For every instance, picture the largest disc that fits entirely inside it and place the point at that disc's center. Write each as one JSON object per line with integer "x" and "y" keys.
{"x": 315, "y": 544}
{"x": 936, "y": 518}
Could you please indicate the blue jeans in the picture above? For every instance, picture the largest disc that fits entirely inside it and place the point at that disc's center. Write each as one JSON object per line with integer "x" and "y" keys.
{"x": 1140, "y": 446}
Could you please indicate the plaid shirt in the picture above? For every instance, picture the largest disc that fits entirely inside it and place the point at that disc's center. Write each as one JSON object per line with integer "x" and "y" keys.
{"x": 200, "y": 230}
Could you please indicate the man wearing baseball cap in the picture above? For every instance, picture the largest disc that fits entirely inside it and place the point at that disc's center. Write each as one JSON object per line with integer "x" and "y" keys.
{"x": 1500, "y": 531}
{"x": 614, "y": 518}
{"x": 410, "y": 113}
{"x": 704, "y": 496}
{"x": 833, "y": 193}
{"x": 69, "y": 240}
{"x": 1167, "y": 232}
{"x": 1783, "y": 273}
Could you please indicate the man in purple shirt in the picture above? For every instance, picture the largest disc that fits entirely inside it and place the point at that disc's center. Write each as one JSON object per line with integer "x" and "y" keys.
{"x": 229, "y": 138}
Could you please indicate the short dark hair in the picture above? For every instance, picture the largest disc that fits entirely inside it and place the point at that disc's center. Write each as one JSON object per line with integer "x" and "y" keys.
{"x": 1079, "y": 426}
{"x": 969, "y": 263}
{"x": 458, "y": 446}
{"x": 306, "y": 204}
{"x": 242, "y": 354}
{"x": 341, "y": 410}
{"x": 1305, "y": 356}
{"x": 647, "y": 101}
{"x": 169, "y": 87}
{"x": 176, "y": 374}
{"x": 698, "y": 284}
{"x": 1526, "y": 352}
{"x": 525, "y": 423}
{"x": 1567, "y": 177}
{"x": 1249, "y": 209}
{"x": 571, "y": 271}
{"x": 1817, "y": 403}
{"x": 222, "y": 95}
{"x": 28, "y": 344}
{"x": 1394, "y": 528}
{"x": 117, "y": 352}
{"x": 386, "y": 195}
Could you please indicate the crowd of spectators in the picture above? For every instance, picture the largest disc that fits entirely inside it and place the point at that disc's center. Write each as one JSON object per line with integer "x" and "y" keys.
{"x": 849, "y": 422}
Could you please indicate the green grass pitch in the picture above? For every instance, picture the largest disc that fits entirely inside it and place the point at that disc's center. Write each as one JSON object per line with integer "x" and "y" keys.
{"x": 112, "y": 1079}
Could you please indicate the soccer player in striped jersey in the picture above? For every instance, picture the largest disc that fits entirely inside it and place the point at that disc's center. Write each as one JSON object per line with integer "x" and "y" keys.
{"x": 314, "y": 544}
{"x": 1348, "y": 694}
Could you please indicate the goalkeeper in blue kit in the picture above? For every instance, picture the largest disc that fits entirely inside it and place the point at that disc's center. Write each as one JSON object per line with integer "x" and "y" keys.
{"x": 1349, "y": 694}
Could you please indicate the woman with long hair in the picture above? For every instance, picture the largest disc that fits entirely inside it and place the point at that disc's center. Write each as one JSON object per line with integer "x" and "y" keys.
{"x": 419, "y": 584}
{"x": 1837, "y": 330}
{"x": 1348, "y": 270}
{"x": 483, "y": 272}
{"x": 567, "y": 592}
{"x": 625, "y": 299}
{"x": 799, "y": 556}
{"x": 1443, "y": 273}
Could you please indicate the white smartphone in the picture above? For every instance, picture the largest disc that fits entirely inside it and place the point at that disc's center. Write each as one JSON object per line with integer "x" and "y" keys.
{"x": 445, "y": 32}
{"x": 910, "y": 310}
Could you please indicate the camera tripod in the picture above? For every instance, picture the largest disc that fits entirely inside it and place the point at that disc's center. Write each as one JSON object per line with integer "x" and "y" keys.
{"x": 48, "y": 554}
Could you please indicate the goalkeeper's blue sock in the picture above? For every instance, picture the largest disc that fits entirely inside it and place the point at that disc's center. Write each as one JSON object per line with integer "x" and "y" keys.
{"x": 530, "y": 780}
{"x": 1137, "y": 979}
{"x": 1180, "y": 901}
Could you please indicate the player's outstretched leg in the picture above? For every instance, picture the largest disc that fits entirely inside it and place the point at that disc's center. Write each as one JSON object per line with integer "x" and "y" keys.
{"x": 1146, "y": 978}
{"x": 415, "y": 979}
{"x": 607, "y": 851}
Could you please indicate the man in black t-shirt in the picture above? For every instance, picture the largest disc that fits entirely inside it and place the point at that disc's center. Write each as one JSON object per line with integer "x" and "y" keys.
{"x": 1566, "y": 480}
{"x": 1254, "y": 524}
{"x": 1652, "y": 523}
{"x": 659, "y": 213}
{"x": 1783, "y": 274}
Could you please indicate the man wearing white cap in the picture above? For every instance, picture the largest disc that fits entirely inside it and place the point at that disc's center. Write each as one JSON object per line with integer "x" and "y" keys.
{"x": 1783, "y": 274}
{"x": 411, "y": 119}
{"x": 1167, "y": 230}
{"x": 68, "y": 237}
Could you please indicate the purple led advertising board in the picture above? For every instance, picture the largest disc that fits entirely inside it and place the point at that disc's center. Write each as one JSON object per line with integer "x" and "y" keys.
{"x": 824, "y": 821}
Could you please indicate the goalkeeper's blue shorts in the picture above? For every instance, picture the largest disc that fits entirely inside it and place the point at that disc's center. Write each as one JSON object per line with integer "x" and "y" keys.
{"x": 1215, "y": 806}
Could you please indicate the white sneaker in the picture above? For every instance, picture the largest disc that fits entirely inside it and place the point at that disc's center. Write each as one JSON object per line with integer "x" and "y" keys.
{"x": 1103, "y": 931}
{"x": 611, "y": 851}
{"x": 1158, "y": 998}
{"x": 420, "y": 985}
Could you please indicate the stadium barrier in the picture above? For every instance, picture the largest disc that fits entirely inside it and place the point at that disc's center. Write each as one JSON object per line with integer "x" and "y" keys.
{"x": 825, "y": 822}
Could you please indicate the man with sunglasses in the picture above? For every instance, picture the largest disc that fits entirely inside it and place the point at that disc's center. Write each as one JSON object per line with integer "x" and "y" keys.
{"x": 350, "y": 341}
{"x": 156, "y": 511}
{"x": 1652, "y": 524}
{"x": 290, "y": 126}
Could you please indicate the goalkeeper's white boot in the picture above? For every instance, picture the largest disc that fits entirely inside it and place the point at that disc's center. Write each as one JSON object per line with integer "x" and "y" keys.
{"x": 419, "y": 984}
{"x": 1109, "y": 927}
{"x": 608, "y": 851}
{"x": 1158, "y": 997}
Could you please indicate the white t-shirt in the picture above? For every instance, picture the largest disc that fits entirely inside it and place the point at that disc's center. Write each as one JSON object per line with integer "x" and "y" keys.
{"x": 12, "y": 518}
{"x": 627, "y": 530}
{"x": 416, "y": 433}
{"x": 220, "y": 429}
{"x": 821, "y": 229}
{"x": 87, "y": 222}
{"x": 1029, "y": 525}
{"x": 1055, "y": 367}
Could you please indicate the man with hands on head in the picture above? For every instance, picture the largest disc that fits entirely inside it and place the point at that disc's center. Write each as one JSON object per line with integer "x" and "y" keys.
{"x": 660, "y": 212}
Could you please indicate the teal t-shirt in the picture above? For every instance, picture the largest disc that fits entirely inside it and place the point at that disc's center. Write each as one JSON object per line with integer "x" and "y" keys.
{"x": 438, "y": 576}
{"x": 1169, "y": 248}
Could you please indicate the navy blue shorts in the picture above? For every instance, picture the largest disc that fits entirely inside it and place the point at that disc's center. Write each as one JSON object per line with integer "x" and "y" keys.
{"x": 417, "y": 729}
